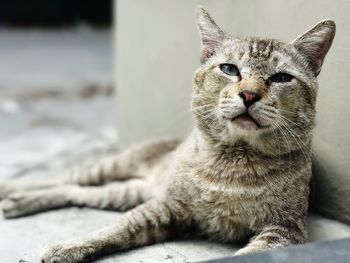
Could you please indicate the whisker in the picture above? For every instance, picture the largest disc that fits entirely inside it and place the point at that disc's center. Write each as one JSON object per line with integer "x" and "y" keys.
{"x": 295, "y": 136}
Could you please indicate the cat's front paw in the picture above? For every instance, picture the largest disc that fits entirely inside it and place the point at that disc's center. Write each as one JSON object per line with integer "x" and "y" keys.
{"x": 67, "y": 253}
{"x": 20, "y": 204}
{"x": 13, "y": 206}
{"x": 247, "y": 250}
{"x": 6, "y": 189}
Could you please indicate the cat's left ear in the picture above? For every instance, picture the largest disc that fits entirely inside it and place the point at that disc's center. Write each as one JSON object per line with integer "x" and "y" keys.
{"x": 212, "y": 36}
{"x": 315, "y": 43}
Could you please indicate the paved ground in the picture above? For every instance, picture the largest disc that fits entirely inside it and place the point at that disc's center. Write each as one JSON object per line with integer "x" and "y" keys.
{"x": 47, "y": 129}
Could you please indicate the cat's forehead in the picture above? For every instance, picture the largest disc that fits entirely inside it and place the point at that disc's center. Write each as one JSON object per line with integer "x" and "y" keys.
{"x": 252, "y": 47}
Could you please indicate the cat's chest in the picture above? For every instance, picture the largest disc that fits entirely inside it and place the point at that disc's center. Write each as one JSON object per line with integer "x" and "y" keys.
{"x": 227, "y": 213}
{"x": 228, "y": 208}
{"x": 230, "y": 213}
{"x": 227, "y": 197}
{"x": 235, "y": 202}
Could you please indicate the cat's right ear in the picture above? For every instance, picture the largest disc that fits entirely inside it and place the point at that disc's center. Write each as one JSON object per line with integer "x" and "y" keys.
{"x": 211, "y": 34}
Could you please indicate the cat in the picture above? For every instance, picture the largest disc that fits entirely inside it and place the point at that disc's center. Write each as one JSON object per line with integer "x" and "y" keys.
{"x": 243, "y": 173}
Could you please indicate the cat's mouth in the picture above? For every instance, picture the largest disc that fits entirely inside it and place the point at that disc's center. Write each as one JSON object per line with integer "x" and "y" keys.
{"x": 246, "y": 121}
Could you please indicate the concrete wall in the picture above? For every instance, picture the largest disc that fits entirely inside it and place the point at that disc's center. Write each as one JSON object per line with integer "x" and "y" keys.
{"x": 157, "y": 51}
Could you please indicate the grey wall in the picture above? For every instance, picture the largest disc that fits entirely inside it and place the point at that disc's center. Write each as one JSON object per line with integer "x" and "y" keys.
{"x": 157, "y": 51}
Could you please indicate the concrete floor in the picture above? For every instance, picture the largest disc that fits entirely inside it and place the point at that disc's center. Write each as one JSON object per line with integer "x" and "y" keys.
{"x": 43, "y": 134}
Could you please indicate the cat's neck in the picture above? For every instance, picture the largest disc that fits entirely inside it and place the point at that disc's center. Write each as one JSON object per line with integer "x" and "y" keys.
{"x": 211, "y": 150}
{"x": 234, "y": 163}
{"x": 211, "y": 145}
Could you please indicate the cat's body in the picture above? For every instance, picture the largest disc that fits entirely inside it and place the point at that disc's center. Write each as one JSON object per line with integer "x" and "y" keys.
{"x": 243, "y": 172}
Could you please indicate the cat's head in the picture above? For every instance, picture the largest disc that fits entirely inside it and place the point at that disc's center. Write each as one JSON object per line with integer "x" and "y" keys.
{"x": 252, "y": 88}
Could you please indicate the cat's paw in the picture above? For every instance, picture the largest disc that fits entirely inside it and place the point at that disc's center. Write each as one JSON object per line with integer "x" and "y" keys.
{"x": 69, "y": 252}
{"x": 6, "y": 189}
{"x": 12, "y": 206}
{"x": 257, "y": 247}
{"x": 245, "y": 251}
{"x": 20, "y": 204}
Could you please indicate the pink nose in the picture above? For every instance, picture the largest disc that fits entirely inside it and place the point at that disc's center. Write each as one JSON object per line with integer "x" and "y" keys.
{"x": 249, "y": 98}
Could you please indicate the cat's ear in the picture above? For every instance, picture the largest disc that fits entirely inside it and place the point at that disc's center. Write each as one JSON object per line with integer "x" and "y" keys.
{"x": 210, "y": 33}
{"x": 315, "y": 43}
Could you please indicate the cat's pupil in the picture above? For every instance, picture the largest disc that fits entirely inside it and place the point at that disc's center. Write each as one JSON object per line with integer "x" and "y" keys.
{"x": 229, "y": 69}
{"x": 281, "y": 77}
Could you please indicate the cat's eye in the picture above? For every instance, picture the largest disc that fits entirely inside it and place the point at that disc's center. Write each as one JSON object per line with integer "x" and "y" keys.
{"x": 229, "y": 69}
{"x": 281, "y": 77}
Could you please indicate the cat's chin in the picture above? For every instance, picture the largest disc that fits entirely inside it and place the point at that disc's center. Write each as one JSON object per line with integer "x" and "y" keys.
{"x": 246, "y": 122}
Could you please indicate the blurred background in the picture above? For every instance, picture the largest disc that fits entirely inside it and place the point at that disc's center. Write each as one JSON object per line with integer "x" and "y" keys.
{"x": 57, "y": 107}
{"x": 56, "y": 82}
{"x": 55, "y": 14}
{"x": 81, "y": 79}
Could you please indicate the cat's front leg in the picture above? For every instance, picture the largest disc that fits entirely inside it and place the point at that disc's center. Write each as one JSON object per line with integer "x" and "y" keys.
{"x": 117, "y": 196}
{"x": 274, "y": 237}
{"x": 149, "y": 223}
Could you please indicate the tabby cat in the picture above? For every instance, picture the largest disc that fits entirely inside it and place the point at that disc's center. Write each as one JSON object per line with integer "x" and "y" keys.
{"x": 242, "y": 173}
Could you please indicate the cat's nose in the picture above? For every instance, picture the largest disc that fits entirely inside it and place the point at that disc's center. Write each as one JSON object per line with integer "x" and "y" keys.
{"x": 249, "y": 98}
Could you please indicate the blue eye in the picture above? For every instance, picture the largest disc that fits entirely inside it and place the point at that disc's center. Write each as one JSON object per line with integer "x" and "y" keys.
{"x": 281, "y": 77}
{"x": 229, "y": 69}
